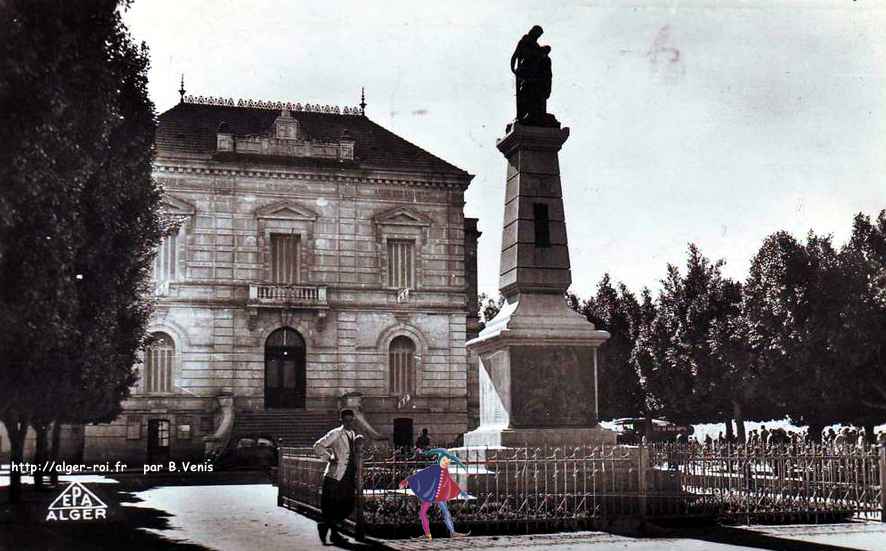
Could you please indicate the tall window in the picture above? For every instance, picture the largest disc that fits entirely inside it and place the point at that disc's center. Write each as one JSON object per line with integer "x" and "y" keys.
{"x": 165, "y": 262}
{"x": 159, "y": 357}
{"x": 401, "y": 263}
{"x": 402, "y": 366}
{"x": 284, "y": 258}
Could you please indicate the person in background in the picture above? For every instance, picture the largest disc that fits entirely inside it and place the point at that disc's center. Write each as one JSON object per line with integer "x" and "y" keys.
{"x": 423, "y": 442}
{"x": 338, "y": 448}
{"x": 861, "y": 442}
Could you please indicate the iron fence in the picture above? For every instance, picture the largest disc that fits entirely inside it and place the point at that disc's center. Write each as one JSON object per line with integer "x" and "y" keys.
{"x": 801, "y": 483}
{"x": 535, "y": 489}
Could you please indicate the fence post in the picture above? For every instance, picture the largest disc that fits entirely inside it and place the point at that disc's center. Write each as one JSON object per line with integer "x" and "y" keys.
{"x": 279, "y": 472}
{"x": 642, "y": 474}
{"x": 361, "y": 525}
{"x": 882, "y": 482}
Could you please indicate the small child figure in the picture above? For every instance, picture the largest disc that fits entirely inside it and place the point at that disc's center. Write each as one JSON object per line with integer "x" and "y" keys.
{"x": 434, "y": 485}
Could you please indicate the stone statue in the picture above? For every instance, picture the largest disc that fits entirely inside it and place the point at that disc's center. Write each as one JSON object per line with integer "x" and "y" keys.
{"x": 531, "y": 64}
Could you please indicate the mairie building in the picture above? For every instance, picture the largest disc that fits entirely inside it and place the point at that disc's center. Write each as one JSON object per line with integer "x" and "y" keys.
{"x": 317, "y": 260}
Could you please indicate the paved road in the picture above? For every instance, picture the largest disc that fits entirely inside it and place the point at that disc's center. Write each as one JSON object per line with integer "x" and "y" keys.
{"x": 869, "y": 537}
{"x": 245, "y": 517}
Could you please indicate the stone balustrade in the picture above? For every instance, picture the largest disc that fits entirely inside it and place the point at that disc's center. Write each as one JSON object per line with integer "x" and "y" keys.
{"x": 274, "y": 294}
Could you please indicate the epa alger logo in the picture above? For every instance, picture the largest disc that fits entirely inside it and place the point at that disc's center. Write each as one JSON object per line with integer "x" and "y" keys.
{"x": 76, "y": 502}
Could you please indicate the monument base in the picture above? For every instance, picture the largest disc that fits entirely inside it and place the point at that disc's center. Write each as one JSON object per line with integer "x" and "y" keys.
{"x": 507, "y": 437}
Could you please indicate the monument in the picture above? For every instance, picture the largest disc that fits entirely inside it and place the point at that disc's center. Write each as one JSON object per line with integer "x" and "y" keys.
{"x": 538, "y": 357}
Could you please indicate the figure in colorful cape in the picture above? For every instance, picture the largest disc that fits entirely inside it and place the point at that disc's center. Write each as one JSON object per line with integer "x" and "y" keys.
{"x": 434, "y": 485}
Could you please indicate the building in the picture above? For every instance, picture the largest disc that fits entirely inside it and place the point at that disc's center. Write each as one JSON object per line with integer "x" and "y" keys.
{"x": 320, "y": 260}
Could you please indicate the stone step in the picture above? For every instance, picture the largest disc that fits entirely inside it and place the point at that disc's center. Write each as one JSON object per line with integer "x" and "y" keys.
{"x": 295, "y": 427}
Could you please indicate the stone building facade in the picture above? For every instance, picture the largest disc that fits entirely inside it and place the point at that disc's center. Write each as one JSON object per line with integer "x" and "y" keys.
{"x": 319, "y": 259}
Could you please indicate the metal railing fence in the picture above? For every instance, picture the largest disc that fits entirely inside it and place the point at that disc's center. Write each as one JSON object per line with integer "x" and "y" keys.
{"x": 536, "y": 489}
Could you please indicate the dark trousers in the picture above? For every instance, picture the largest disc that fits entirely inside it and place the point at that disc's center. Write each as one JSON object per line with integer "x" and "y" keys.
{"x": 336, "y": 501}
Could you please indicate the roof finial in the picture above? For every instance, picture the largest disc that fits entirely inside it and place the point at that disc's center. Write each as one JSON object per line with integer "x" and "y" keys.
{"x": 363, "y": 101}
{"x": 181, "y": 91}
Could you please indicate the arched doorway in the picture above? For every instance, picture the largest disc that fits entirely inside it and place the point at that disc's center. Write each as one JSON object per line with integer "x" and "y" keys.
{"x": 285, "y": 379}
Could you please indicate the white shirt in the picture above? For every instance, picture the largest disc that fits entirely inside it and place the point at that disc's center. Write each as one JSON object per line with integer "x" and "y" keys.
{"x": 334, "y": 448}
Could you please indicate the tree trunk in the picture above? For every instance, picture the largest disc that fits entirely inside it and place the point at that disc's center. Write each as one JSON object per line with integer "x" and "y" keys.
{"x": 54, "y": 450}
{"x": 17, "y": 428}
{"x": 41, "y": 429}
{"x": 738, "y": 414}
{"x": 729, "y": 433}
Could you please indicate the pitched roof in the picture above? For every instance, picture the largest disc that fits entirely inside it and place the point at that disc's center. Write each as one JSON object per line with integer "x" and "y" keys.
{"x": 191, "y": 128}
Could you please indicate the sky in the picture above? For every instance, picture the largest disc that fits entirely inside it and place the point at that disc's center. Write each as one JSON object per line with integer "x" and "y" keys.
{"x": 716, "y": 123}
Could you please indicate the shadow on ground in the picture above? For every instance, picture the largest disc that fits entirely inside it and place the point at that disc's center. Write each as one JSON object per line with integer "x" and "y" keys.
{"x": 745, "y": 537}
{"x": 24, "y": 528}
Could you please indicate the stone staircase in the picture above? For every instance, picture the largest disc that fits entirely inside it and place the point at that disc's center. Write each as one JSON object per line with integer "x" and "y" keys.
{"x": 297, "y": 427}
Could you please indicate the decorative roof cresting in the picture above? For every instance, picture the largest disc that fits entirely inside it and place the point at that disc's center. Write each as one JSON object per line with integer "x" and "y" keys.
{"x": 273, "y": 105}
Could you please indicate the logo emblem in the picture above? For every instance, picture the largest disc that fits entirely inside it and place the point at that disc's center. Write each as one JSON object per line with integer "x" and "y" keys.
{"x": 77, "y": 502}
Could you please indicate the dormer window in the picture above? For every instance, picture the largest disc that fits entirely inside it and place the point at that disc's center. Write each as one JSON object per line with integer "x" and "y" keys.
{"x": 285, "y": 127}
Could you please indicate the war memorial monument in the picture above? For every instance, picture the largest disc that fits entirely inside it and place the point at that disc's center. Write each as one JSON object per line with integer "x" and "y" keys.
{"x": 537, "y": 357}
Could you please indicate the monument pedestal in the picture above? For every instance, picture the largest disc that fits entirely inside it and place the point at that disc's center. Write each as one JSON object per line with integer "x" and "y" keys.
{"x": 538, "y": 377}
{"x": 538, "y": 357}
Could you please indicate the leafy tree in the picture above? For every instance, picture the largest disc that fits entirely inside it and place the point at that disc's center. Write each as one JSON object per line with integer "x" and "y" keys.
{"x": 77, "y": 214}
{"x": 618, "y": 312}
{"x": 793, "y": 302}
{"x": 674, "y": 356}
{"x": 862, "y": 339}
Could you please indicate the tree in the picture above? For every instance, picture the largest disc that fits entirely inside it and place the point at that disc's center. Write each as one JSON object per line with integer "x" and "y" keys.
{"x": 862, "y": 340}
{"x": 618, "y": 312}
{"x": 793, "y": 306}
{"x": 77, "y": 214}
{"x": 682, "y": 377}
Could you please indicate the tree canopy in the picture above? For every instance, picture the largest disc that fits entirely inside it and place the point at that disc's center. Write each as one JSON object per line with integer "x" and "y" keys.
{"x": 78, "y": 211}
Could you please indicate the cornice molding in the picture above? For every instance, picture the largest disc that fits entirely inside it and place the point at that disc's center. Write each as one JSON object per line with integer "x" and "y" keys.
{"x": 279, "y": 174}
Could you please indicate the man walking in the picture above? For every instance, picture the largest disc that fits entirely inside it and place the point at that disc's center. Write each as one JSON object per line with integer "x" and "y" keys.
{"x": 338, "y": 448}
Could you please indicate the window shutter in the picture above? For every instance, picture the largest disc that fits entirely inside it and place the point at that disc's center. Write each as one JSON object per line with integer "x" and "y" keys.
{"x": 284, "y": 258}
{"x": 401, "y": 264}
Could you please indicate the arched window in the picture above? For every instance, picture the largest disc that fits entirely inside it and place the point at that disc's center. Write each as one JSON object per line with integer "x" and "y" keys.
{"x": 159, "y": 357}
{"x": 402, "y": 366}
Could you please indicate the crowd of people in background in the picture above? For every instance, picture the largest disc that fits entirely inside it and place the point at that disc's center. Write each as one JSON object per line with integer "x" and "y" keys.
{"x": 845, "y": 438}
